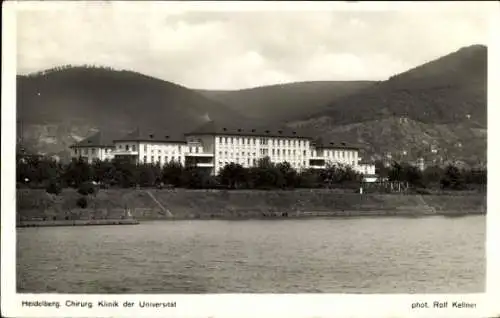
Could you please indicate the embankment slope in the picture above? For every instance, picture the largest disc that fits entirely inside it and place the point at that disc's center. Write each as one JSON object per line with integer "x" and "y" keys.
{"x": 247, "y": 204}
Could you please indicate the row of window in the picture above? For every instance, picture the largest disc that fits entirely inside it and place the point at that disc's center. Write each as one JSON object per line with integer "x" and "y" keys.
{"x": 253, "y": 161}
{"x": 166, "y": 159}
{"x": 146, "y": 147}
{"x": 264, "y": 152}
{"x": 85, "y": 151}
{"x": 260, "y": 141}
{"x": 335, "y": 154}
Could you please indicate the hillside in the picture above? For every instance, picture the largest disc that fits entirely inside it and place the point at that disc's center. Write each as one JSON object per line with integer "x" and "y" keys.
{"x": 61, "y": 106}
{"x": 440, "y": 103}
{"x": 285, "y": 102}
{"x": 445, "y": 90}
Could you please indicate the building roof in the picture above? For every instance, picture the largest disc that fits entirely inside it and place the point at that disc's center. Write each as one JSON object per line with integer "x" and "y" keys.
{"x": 98, "y": 139}
{"x": 246, "y": 129}
{"x": 154, "y": 135}
{"x": 322, "y": 144}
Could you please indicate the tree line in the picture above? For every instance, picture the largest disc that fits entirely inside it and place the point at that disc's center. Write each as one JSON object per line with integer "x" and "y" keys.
{"x": 46, "y": 173}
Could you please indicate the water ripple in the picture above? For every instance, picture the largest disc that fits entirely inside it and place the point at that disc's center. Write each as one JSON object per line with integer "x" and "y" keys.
{"x": 358, "y": 255}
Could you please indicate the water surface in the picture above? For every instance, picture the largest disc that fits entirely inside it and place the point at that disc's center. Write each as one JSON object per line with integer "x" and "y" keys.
{"x": 327, "y": 255}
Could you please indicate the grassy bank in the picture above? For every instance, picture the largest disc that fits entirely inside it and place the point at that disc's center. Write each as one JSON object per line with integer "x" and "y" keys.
{"x": 182, "y": 204}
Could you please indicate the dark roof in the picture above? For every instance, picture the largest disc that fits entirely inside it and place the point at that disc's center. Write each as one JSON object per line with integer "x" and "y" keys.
{"x": 319, "y": 143}
{"x": 98, "y": 139}
{"x": 156, "y": 135}
{"x": 247, "y": 129}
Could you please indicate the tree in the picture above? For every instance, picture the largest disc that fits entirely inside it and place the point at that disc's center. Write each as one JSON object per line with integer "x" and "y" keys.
{"x": 432, "y": 175}
{"x": 381, "y": 170}
{"x": 78, "y": 172}
{"x": 338, "y": 174}
{"x": 289, "y": 175}
{"x": 396, "y": 172}
{"x": 146, "y": 174}
{"x": 172, "y": 173}
{"x": 126, "y": 173}
{"x": 413, "y": 176}
{"x": 266, "y": 175}
{"x": 452, "y": 179}
{"x": 309, "y": 178}
{"x": 196, "y": 178}
{"x": 476, "y": 176}
{"x": 233, "y": 175}
{"x": 104, "y": 171}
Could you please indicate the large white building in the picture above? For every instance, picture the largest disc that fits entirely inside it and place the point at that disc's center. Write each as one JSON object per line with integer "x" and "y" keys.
{"x": 212, "y": 146}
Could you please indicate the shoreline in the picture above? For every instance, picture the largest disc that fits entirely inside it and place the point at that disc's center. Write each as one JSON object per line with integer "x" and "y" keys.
{"x": 56, "y": 223}
{"x": 346, "y": 215}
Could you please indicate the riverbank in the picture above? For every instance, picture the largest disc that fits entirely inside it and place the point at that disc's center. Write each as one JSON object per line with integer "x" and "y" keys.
{"x": 50, "y": 223}
{"x": 220, "y": 204}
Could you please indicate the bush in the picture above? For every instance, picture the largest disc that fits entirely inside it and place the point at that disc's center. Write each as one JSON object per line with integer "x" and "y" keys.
{"x": 87, "y": 188}
{"x": 54, "y": 188}
{"x": 82, "y": 202}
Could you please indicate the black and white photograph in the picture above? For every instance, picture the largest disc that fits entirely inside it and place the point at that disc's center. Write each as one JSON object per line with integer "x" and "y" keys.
{"x": 238, "y": 151}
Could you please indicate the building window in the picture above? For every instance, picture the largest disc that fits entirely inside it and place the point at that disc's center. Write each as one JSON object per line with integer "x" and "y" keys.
{"x": 278, "y": 152}
{"x": 166, "y": 159}
{"x": 76, "y": 151}
{"x": 144, "y": 148}
{"x": 304, "y": 162}
{"x": 144, "y": 159}
{"x": 248, "y": 161}
{"x": 152, "y": 159}
{"x": 242, "y": 153}
{"x": 220, "y": 153}
{"x": 253, "y": 140}
{"x": 180, "y": 159}
{"x": 272, "y": 151}
{"x": 304, "y": 153}
{"x": 254, "y": 162}
{"x": 289, "y": 152}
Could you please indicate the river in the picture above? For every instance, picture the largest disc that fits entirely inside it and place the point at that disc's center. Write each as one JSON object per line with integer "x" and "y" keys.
{"x": 324, "y": 255}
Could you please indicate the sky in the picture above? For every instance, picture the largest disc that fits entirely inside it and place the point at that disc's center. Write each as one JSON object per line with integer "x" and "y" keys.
{"x": 238, "y": 47}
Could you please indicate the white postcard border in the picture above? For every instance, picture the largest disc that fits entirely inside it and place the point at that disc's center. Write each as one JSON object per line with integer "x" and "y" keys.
{"x": 247, "y": 305}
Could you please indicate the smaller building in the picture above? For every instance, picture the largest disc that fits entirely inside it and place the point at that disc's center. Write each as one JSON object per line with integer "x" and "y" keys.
{"x": 325, "y": 153}
{"x": 366, "y": 168}
{"x": 150, "y": 146}
{"x": 98, "y": 146}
